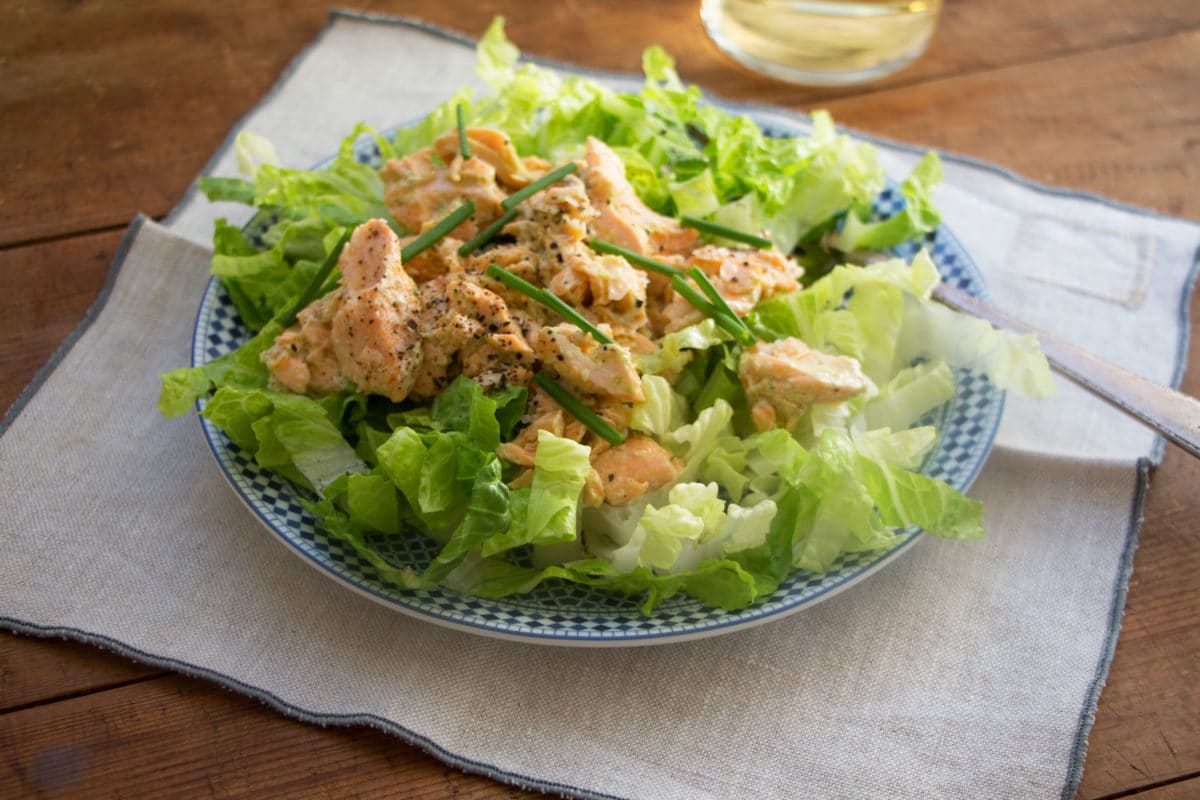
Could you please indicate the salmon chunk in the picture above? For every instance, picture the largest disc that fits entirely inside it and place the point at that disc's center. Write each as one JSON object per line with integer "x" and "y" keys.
{"x": 440, "y": 259}
{"x": 605, "y": 288}
{"x": 364, "y": 334}
{"x": 743, "y": 276}
{"x": 374, "y": 332}
{"x": 784, "y": 378}
{"x": 425, "y": 186}
{"x": 302, "y": 360}
{"x": 604, "y": 370}
{"x": 549, "y": 231}
{"x": 634, "y": 467}
{"x": 544, "y": 413}
{"x": 622, "y": 217}
{"x": 494, "y": 148}
{"x": 465, "y": 328}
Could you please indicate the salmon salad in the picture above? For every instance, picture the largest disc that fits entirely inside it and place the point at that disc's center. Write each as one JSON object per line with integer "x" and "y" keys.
{"x": 626, "y": 340}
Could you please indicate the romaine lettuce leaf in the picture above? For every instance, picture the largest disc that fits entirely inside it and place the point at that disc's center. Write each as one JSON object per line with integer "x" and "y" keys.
{"x": 288, "y": 433}
{"x": 835, "y": 512}
{"x": 338, "y": 524}
{"x": 560, "y": 470}
{"x": 372, "y": 502}
{"x": 722, "y": 583}
{"x": 905, "y": 448}
{"x": 488, "y": 511}
{"x": 907, "y": 498}
{"x": 910, "y": 394}
{"x": 1009, "y": 360}
{"x": 919, "y": 215}
{"x": 241, "y": 369}
{"x": 661, "y": 412}
{"x": 698, "y": 438}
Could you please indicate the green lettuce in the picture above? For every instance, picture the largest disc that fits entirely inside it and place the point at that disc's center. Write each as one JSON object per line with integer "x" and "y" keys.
{"x": 287, "y": 433}
{"x": 1009, "y": 360}
{"x": 909, "y": 395}
{"x": 661, "y": 412}
{"x": 918, "y": 217}
{"x": 749, "y": 508}
{"x": 240, "y": 369}
{"x": 694, "y": 526}
{"x": 551, "y": 512}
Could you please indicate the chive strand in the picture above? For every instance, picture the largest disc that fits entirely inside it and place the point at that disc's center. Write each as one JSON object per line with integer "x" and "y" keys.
{"x": 608, "y": 248}
{"x": 431, "y": 237}
{"x": 555, "y": 302}
{"x": 548, "y": 299}
{"x": 464, "y": 146}
{"x": 698, "y": 301}
{"x": 717, "y": 300}
{"x": 573, "y": 406}
{"x": 730, "y": 324}
{"x": 315, "y": 286}
{"x": 725, "y": 232}
{"x": 487, "y": 234}
{"x": 541, "y": 183}
{"x": 514, "y": 282}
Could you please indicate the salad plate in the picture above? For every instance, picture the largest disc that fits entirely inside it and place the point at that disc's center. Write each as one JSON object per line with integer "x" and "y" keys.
{"x": 558, "y": 612}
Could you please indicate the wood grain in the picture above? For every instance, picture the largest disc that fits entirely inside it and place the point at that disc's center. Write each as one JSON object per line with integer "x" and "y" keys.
{"x": 48, "y": 287}
{"x": 110, "y": 108}
{"x": 1186, "y": 789}
{"x": 122, "y": 104}
{"x": 1132, "y": 114}
{"x": 35, "y": 671}
{"x": 175, "y": 737}
{"x": 1147, "y": 728}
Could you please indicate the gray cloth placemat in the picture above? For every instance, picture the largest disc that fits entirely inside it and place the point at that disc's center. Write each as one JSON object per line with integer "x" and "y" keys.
{"x": 962, "y": 670}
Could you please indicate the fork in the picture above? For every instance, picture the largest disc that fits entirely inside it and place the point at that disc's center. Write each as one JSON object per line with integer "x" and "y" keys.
{"x": 1173, "y": 414}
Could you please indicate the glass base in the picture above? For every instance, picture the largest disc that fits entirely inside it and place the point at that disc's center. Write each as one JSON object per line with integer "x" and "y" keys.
{"x": 711, "y": 15}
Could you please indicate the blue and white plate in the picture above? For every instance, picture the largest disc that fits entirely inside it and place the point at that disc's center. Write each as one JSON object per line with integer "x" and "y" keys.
{"x": 566, "y": 613}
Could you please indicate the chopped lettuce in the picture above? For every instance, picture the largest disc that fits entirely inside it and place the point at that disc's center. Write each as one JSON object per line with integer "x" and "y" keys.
{"x": 881, "y": 314}
{"x": 241, "y": 369}
{"x": 918, "y": 216}
{"x": 252, "y": 151}
{"x": 695, "y": 526}
{"x": 287, "y": 433}
{"x": 662, "y": 411}
{"x": 551, "y": 513}
{"x": 749, "y": 508}
{"x": 1009, "y": 360}
{"x": 675, "y": 351}
{"x": 909, "y": 395}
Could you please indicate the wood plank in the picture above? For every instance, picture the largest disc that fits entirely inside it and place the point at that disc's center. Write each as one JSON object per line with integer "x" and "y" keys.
{"x": 1129, "y": 113}
{"x": 121, "y": 105}
{"x": 1122, "y": 122}
{"x": 175, "y": 737}
{"x": 1177, "y": 790}
{"x": 47, "y": 290}
{"x": 1147, "y": 727}
{"x": 36, "y": 670}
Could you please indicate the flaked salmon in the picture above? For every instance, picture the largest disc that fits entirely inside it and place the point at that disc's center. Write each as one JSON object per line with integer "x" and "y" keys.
{"x": 364, "y": 334}
{"x": 784, "y": 378}
{"x": 622, "y": 218}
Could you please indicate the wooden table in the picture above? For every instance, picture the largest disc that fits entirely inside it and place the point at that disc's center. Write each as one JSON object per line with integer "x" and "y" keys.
{"x": 109, "y": 108}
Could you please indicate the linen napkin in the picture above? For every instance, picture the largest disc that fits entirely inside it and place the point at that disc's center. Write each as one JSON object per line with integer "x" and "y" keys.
{"x": 961, "y": 670}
